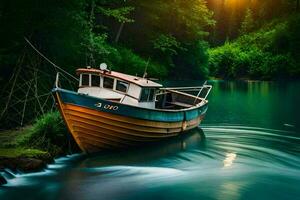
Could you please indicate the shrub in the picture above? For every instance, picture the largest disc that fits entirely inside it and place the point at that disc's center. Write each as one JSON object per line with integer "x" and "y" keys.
{"x": 191, "y": 62}
{"x": 48, "y": 134}
{"x": 133, "y": 64}
{"x": 268, "y": 53}
{"x": 122, "y": 59}
{"x": 278, "y": 66}
{"x": 228, "y": 61}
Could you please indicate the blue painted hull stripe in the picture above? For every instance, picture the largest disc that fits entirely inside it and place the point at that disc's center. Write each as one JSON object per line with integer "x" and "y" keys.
{"x": 70, "y": 97}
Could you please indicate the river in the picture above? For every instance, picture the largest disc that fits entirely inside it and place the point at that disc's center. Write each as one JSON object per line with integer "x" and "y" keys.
{"x": 248, "y": 147}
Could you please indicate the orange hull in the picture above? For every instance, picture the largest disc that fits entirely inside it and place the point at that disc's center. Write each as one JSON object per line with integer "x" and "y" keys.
{"x": 95, "y": 130}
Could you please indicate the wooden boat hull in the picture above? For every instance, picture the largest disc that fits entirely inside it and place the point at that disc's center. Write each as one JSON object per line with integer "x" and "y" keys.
{"x": 97, "y": 124}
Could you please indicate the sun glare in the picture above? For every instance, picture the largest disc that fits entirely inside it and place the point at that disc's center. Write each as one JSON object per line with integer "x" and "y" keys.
{"x": 236, "y": 4}
{"x": 228, "y": 161}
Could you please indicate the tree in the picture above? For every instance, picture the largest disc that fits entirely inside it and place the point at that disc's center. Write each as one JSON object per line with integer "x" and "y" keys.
{"x": 168, "y": 28}
{"x": 120, "y": 14}
{"x": 248, "y": 23}
{"x": 184, "y": 21}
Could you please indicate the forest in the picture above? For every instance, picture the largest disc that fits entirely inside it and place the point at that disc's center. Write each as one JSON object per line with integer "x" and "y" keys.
{"x": 175, "y": 39}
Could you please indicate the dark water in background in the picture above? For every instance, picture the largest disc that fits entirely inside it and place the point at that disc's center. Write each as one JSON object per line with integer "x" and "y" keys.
{"x": 248, "y": 148}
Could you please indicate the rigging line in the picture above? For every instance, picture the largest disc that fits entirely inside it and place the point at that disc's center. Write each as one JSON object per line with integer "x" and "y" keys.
{"x": 69, "y": 80}
{"x": 54, "y": 65}
{"x": 146, "y": 67}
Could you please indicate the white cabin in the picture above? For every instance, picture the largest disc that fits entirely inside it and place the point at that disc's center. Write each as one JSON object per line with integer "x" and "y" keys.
{"x": 118, "y": 87}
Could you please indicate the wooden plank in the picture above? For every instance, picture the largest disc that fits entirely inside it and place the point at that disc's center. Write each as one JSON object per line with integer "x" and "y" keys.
{"x": 123, "y": 118}
{"x": 99, "y": 119}
{"x": 176, "y": 103}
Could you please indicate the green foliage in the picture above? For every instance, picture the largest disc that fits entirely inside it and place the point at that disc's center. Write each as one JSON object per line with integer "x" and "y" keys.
{"x": 81, "y": 32}
{"x": 167, "y": 44}
{"x": 264, "y": 54}
{"x": 166, "y": 47}
{"x": 234, "y": 17}
{"x": 47, "y": 134}
{"x": 99, "y": 50}
{"x": 169, "y": 31}
{"x": 122, "y": 59}
{"x": 225, "y": 61}
{"x": 293, "y": 30}
{"x": 58, "y": 28}
{"x": 120, "y": 14}
{"x": 184, "y": 21}
{"x": 133, "y": 64}
{"x": 192, "y": 62}
{"x": 248, "y": 23}
{"x": 21, "y": 152}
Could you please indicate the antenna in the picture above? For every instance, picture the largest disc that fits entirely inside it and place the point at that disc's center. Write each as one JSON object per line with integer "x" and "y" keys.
{"x": 103, "y": 66}
{"x": 145, "y": 72}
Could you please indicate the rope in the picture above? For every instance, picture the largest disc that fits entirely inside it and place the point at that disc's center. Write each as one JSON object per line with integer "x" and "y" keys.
{"x": 54, "y": 65}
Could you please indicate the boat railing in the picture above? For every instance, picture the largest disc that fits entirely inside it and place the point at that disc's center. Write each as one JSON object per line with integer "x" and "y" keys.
{"x": 57, "y": 80}
{"x": 202, "y": 91}
{"x": 65, "y": 81}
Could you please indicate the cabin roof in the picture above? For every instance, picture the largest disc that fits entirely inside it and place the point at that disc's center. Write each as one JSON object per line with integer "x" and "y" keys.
{"x": 126, "y": 77}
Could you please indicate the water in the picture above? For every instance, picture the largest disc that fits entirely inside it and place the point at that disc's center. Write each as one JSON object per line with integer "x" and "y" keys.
{"x": 248, "y": 148}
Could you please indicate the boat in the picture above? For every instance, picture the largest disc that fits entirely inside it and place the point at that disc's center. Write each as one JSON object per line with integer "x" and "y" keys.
{"x": 113, "y": 110}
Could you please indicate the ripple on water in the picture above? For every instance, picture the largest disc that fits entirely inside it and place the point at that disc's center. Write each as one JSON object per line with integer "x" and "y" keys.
{"x": 27, "y": 179}
{"x": 228, "y": 163}
{"x": 129, "y": 171}
{"x": 256, "y": 146}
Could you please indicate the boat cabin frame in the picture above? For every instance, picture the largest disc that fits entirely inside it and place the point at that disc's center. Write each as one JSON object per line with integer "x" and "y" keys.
{"x": 118, "y": 87}
{"x": 137, "y": 91}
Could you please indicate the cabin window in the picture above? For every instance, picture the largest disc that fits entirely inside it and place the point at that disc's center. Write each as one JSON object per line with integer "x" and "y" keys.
{"x": 151, "y": 95}
{"x": 96, "y": 80}
{"x": 85, "y": 79}
{"x": 122, "y": 86}
{"x": 108, "y": 82}
{"x": 147, "y": 94}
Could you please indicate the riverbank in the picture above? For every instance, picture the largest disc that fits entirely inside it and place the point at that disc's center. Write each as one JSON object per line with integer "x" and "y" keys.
{"x": 31, "y": 148}
{"x": 17, "y": 158}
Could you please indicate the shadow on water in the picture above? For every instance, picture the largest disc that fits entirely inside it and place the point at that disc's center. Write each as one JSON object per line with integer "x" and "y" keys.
{"x": 147, "y": 153}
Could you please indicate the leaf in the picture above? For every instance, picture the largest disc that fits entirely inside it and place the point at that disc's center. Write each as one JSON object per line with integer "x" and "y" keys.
{"x": 120, "y": 14}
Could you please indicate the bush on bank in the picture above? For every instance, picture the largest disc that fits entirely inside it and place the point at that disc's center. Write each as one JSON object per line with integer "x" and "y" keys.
{"x": 48, "y": 133}
{"x": 268, "y": 53}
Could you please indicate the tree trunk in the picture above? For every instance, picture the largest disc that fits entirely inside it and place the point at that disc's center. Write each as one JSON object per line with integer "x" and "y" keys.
{"x": 119, "y": 33}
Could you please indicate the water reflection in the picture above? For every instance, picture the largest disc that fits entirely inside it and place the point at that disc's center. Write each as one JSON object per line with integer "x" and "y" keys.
{"x": 144, "y": 154}
{"x": 257, "y": 104}
{"x": 230, "y": 157}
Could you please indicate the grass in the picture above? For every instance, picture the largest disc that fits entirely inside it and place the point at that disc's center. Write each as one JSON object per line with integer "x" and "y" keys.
{"x": 21, "y": 152}
{"x": 9, "y": 147}
{"x": 8, "y": 138}
{"x": 48, "y": 135}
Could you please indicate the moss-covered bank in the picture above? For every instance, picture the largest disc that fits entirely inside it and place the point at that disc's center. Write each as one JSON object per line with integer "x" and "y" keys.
{"x": 33, "y": 147}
